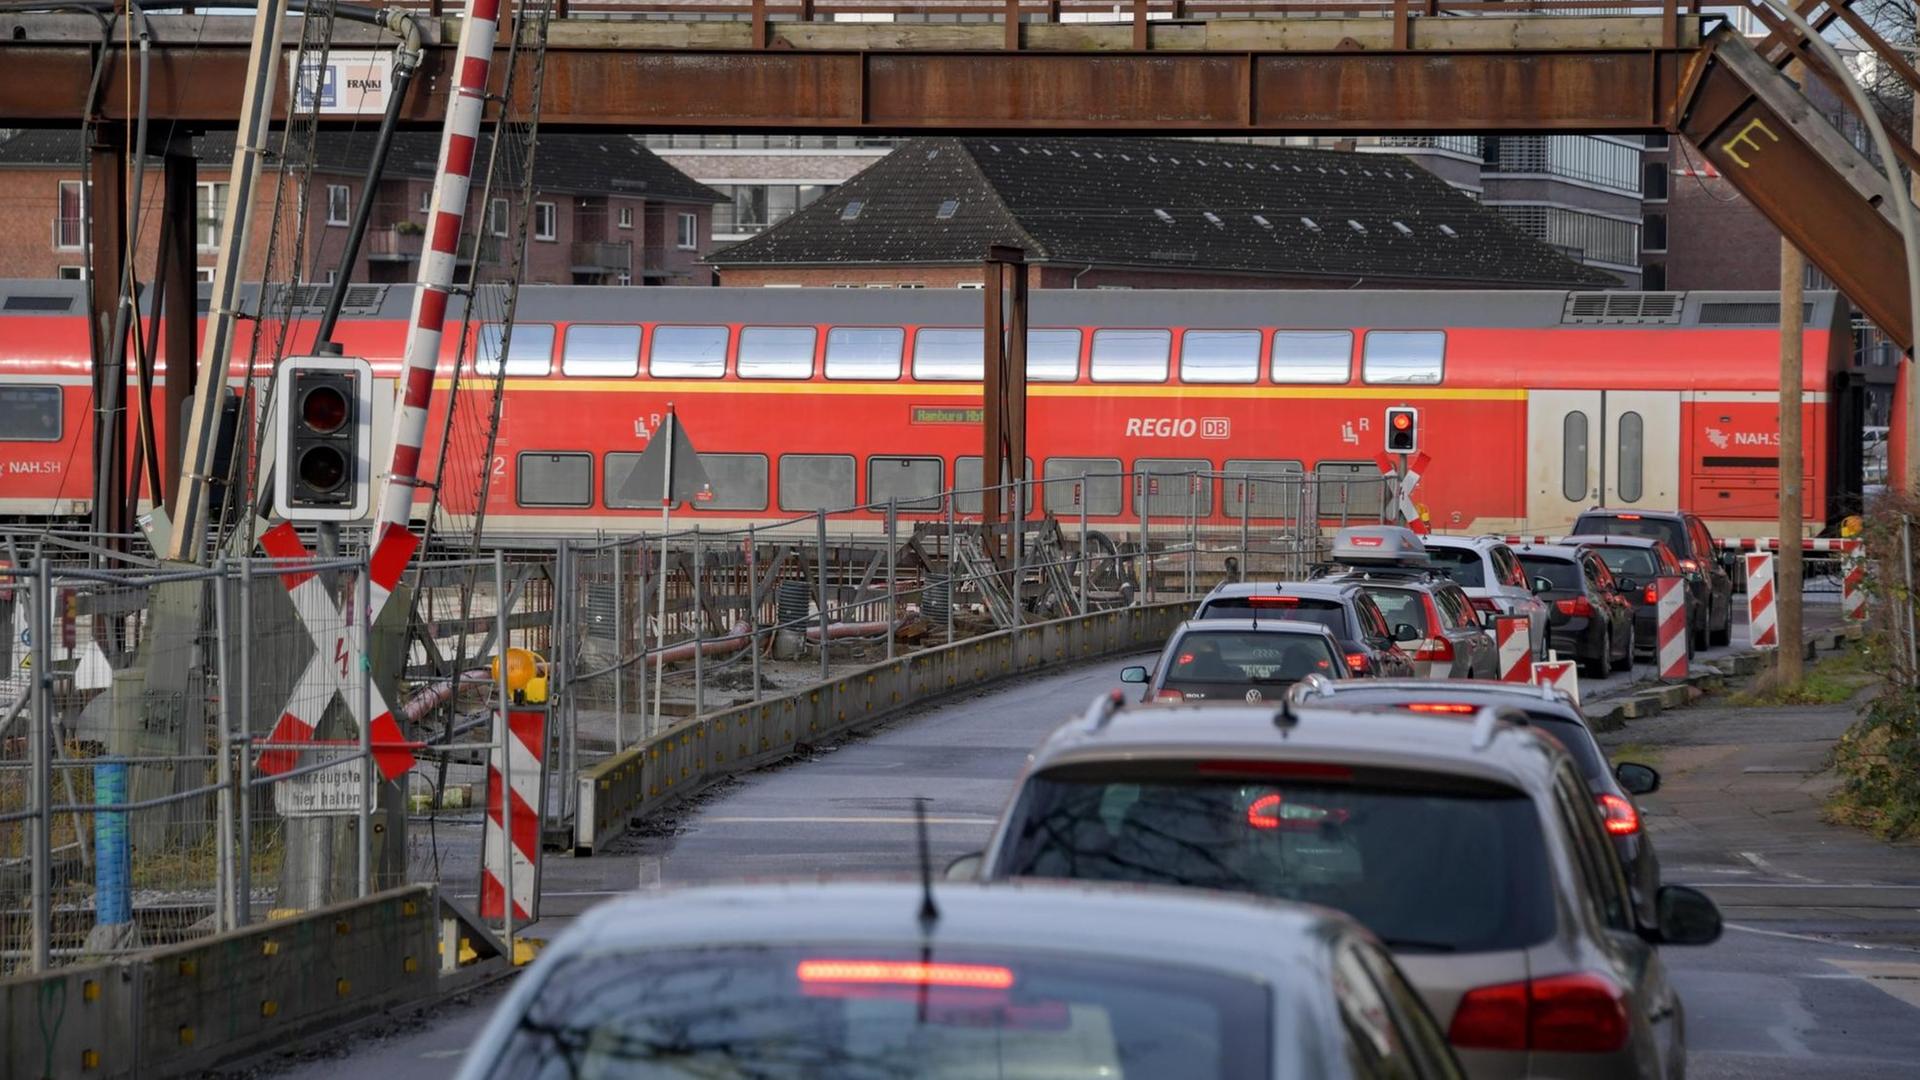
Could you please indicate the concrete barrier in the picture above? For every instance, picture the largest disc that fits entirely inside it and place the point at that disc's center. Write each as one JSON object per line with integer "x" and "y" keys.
{"x": 183, "y": 1009}
{"x": 681, "y": 760}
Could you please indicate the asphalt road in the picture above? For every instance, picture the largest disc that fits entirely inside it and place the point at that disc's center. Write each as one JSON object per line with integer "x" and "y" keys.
{"x": 1789, "y": 992}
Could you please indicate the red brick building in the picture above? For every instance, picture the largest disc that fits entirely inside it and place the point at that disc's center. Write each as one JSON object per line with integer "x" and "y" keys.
{"x": 604, "y": 211}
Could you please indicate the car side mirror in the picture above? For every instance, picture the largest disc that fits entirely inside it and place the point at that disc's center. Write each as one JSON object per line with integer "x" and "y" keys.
{"x": 1625, "y": 585}
{"x": 1686, "y": 916}
{"x": 966, "y": 868}
{"x": 1638, "y": 779}
{"x": 1134, "y": 674}
{"x": 1541, "y": 585}
{"x": 1405, "y": 632}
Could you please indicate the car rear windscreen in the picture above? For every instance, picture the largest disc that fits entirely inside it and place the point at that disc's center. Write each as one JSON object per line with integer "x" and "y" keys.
{"x": 1328, "y": 613}
{"x": 1636, "y": 563}
{"x": 858, "y": 1011}
{"x": 1579, "y": 743}
{"x": 1562, "y": 573}
{"x": 1435, "y": 870}
{"x": 1248, "y": 658}
{"x": 1465, "y": 567}
{"x": 1672, "y": 530}
{"x": 1401, "y": 607}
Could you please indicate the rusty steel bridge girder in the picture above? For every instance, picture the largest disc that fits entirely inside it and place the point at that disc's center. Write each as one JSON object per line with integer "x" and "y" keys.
{"x": 1278, "y": 76}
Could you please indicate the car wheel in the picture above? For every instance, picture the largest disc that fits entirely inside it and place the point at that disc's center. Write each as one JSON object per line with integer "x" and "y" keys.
{"x": 1698, "y": 637}
{"x": 1602, "y": 662}
{"x": 1724, "y": 635}
{"x": 1626, "y": 657}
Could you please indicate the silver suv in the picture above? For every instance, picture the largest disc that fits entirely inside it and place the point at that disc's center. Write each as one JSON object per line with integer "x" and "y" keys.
{"x": 1469, "y": 846}
{"x": 1494, "y": 581}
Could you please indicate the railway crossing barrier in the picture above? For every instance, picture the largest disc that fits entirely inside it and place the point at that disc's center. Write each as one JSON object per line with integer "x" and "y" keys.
{"x": 516, "y": 790}
{"x": 1515, "y": 633}
{"x": 1670, "y": 611}
{"x": 1562, "y": 675}
{"x": 1762, "y": 628}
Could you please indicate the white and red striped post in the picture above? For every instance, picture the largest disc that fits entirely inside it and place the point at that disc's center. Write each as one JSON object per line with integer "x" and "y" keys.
{"x": 1762, "y": 631}
{"x": 1403, "y": 486}
{"x": 1853, "y": 584}
{"x": 512, "y": 842}
{"x": 1562, "y": 675}
{"x": 1515, "y": 636}
{"x": 1670, "y": 617}
{"x": 394, "y": 543}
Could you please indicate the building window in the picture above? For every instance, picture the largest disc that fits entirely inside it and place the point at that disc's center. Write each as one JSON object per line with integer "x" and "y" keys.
{"x": 69, "y": 223}
{"x": 1578, "y": 234}
{"x": 73, "y": 273}
{"x": 1584, "y": 158}
{"x": 626, "y": 218}
{"x": 339, "y": 204}
{"x": 204, "y": 274}
{"x": 426, "y": 200}
{"x": 210, "y": 214}
{"x": 1653, "y": 277}
{"x": 1653, "y": 233}
{"x": 689, "y": 232}
{"x": 497, "y": 217}
{"x": 1653, "y": 180}
{"x": 1657, "y": 142}
{"x": 754, "y": 207}
{"x": 546, "y": 221}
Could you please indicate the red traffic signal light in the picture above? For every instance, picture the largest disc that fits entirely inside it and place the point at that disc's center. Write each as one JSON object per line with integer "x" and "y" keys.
{"x": 1403, "y": 429}
{"x": 1401, "y": 421}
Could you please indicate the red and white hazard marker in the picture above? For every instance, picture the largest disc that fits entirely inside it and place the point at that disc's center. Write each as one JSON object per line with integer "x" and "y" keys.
{"x": 338, "y": 648}
{"x": 1403, "y": 488}
{"x": 1762, "y": 630}
{"x": 1670, "y": 617}
{"x": 1562, "y": 675}
{"x": 512, "y": 851}
{"x": 1853, "y": 585}
{"x": 1514, "y": 633}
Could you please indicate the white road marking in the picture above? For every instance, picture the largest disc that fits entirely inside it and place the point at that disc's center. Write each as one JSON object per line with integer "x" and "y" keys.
{"x": 1804, "y": 937}
{"x": 971, "y": 821}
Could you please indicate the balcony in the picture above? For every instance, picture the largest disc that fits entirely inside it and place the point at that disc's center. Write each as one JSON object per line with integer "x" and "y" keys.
{"x": 391, "y": 243}
{"x": 601, "y": 257}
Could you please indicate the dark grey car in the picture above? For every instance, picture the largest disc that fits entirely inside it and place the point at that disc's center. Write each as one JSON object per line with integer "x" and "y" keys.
{"x": 1238, "y": 660}
{"x": 1434, "y": 622}
{"x": 1365, "y": 637}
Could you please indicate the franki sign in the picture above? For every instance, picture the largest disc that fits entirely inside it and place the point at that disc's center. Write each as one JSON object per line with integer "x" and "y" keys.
{"x": 349, "y": 83}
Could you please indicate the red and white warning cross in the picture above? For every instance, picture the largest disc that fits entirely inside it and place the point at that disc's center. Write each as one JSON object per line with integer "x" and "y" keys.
{"x": 1853, "y": 585}
{"x": 1515, "y": 635}
{"x": 1403, "y": 489}
{"x": 1562, "y": 675}
{"x": 338, "y": 647}
{"x": 521, "y": 749}
{"x": 1670, "y": 618}
{"x": 1762, "y": 629}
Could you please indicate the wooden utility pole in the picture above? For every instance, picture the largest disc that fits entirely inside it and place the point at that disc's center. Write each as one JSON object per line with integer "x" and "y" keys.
{"x": 1004, "y": 397}
{"x": 1786, "y": 581}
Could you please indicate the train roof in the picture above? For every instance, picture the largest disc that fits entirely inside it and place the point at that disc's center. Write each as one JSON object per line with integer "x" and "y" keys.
{"x": 1411, "y": 308}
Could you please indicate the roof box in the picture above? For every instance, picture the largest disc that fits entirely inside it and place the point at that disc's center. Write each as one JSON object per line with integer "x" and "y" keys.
{"x": 1379, "y": 545}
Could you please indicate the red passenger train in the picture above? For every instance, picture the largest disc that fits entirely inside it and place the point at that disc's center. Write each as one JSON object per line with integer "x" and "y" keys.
{"x": 1533, "y": 404}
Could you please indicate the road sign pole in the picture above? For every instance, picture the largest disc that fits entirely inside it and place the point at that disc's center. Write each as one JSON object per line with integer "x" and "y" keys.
{"x": 363, "y": 678}
{"x": 660, "y": 585}
{"x": 243, "y": 868}
{"x": 223, "y": 909}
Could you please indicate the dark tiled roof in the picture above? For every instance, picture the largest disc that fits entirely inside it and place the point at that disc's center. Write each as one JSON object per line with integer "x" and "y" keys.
{"x": 1164, "y": 204}
{"x": 574, "y": 164}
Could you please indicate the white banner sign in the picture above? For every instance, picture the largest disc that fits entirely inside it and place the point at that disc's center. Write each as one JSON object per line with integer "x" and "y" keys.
{"x": 348, "y": 84}
{"x": 333, "y": 790}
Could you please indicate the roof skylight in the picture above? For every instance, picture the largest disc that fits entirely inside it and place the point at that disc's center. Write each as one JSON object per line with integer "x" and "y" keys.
{"x": 947, "y": 209}
{"x": 852, "y": 209}
{"x": 1163, "y": 215}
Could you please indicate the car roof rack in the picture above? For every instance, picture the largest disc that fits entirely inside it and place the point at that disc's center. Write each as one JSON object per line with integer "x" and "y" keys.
{"x": 1101, "y": 712}
{"x": 1486, "y": 723}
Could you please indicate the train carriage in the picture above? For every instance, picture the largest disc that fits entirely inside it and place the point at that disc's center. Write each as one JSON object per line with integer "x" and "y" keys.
{"x": 1533, "y": 404}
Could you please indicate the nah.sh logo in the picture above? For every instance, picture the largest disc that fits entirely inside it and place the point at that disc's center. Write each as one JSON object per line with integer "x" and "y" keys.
{"x": 1718, "y": 438}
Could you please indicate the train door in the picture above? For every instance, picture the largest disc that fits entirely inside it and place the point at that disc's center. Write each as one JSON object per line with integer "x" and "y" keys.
{"x": 1600, "y": 447}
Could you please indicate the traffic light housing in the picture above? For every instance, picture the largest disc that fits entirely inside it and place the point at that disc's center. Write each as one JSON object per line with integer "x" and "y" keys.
{"x": 1403, "y": 429}
{"x": 323, "y": 468}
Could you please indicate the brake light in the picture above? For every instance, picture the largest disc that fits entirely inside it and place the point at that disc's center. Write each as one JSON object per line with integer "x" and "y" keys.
{"x": 1653, "y": 595}
{"x": 1434, "y": 649}
{"x": 1451, "y": 708}
{"x": 1169, "y": 695}
{"x": 1618, "y": 815}
{"x": 1273, "y": 601}
{"x": 1579, "y": 605}
{"x": 1484, "y": 603}
{"x": 1357, "y": 663}
{"x": 905, "y": 973}
{"x": 1628, "y": 517}
{"x": 1580, "y": 1013}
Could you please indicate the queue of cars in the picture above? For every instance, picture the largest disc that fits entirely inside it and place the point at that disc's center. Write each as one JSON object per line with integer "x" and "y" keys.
{"x": 1320, "y": 841}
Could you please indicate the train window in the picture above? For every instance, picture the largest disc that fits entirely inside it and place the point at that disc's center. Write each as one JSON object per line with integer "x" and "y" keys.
{"x": 547, "y": 479}
{"x": 1632, "y": 440}
{"x": 739, "y": 482}
{"x": 1130, "y": 355}
{"x": 1312, "y": 356}
{"x": 688, "y": 352}
{"x": 966, "y": 485}
{"x": 1262, "y": 489}
{"x": 1054, "y": 356}
{"x": 601, "y": 350}
{"x": 914, "y": 481}
{"x": 864, "y": 352}
{"x": 1092, "y": 481}
{"x": 529, "y": 349}
{"x": 1349, "y": 489}
{"x": 956, "y": 355}
{"x": 816, "y": 481}
{"x": 1403, "y": 356}
{"x": 29, "y": 413}
{"x": 1174, "y": 485}
{"x": 777, "y": 352}
{"x": 1573, "y": 457}
{"x": 1220, "y": 356}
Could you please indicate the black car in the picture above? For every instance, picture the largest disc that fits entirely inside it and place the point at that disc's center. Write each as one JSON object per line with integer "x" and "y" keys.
{"x": 1366, "y": 641}
{"x": 1613, "y": 786}
{"x": 1692, "y": 544}
{"x": 1590, "y": 620}
{"x": 1238, "y": 660}
{"x": 1637, "y": 563}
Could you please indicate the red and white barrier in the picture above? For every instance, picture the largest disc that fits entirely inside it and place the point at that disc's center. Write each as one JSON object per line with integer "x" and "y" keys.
{"x": 1853, "y": 586}
{"x": 1403, "y": 488}
{"x": 1670, "y": 611}
{"x": 1772, "y": 543}
{"x": 1530, "y": 539}
{"x": 1562, "y": 675}
{"x": 1515, "y": 636}
{"x": 513, "y": 851}
{"x": 1762, "y": 629}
